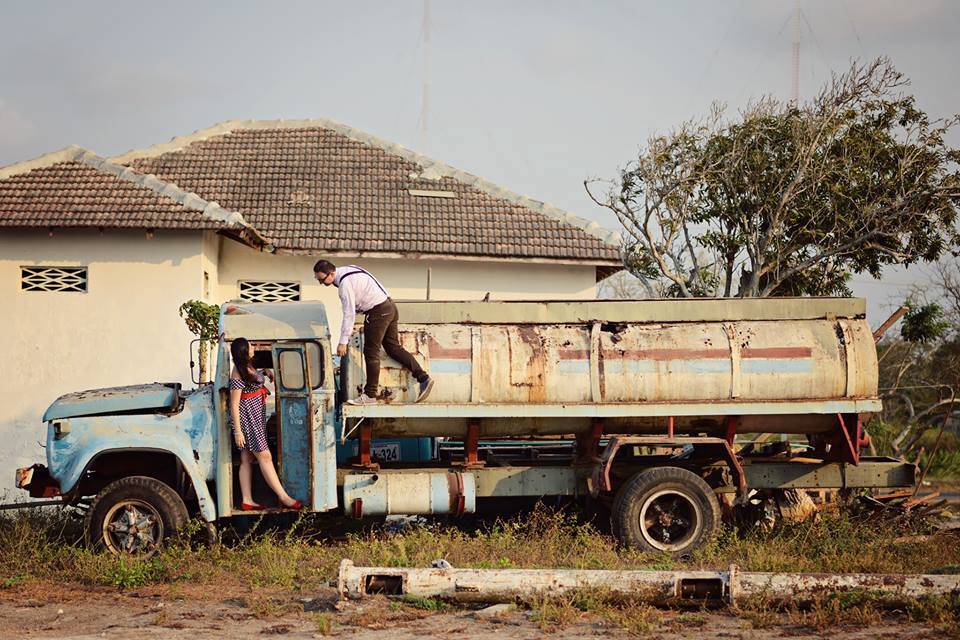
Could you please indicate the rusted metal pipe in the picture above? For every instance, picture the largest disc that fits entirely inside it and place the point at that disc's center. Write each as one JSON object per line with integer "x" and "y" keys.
{"x": 889, "y": 322}
{"x": 657, "y": 587}
{"x": 30, "y": 505}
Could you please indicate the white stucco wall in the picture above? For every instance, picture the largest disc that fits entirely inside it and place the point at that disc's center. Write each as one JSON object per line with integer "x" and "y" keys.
{"x": 124, "y": 330}
{"x": 406, "y": 279}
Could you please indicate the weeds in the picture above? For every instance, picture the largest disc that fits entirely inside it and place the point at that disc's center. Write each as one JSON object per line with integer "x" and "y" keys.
{"x": 323, "y": 623}
{"x": 554, "y": 612}
{"x": 129, "y": 573}
{"x": 42, "y": 545}
{"x": 836, "y": 543}
{"x": 380, "y": 614}
{"x": 45, "y": 546}
{"x": 760, "y": 612}
{"x": 688, "y": 620}
{"x": 943, "y": 612}
{"x": 427, "y": 604}
{"x": 858, "y": 609}
{"x": 265, "y": 608}
{"x": 853, "y": 609}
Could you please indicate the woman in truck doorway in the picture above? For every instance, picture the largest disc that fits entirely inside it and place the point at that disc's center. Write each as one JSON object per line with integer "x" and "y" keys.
{"x": 248, "y": 413}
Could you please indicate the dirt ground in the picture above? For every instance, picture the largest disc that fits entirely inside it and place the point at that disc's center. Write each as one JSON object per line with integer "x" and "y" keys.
{"x": 55, "y": 611}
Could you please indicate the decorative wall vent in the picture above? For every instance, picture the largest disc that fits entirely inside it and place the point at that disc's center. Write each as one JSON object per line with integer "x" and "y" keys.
{"x": 260, "y": 291}
{"x": 72, "y": 279}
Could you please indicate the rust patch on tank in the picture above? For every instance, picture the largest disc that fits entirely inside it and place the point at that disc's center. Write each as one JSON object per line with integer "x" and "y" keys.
{"x": 601, "y": 374}
{"x": 573, "y": 354}
{"x": 665, "y": 354}
{"x": 701, "y": 354}
{"x": 776, "y": 352}
{"x": 536, "y": 364}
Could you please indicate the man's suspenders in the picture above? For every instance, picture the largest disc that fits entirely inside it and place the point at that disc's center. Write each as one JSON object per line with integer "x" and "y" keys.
{"x": 360, "y": 270}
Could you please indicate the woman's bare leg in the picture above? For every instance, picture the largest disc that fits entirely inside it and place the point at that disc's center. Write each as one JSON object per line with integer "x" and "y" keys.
{"x": 270, "y": 475}
{"x": 246, "y": 476}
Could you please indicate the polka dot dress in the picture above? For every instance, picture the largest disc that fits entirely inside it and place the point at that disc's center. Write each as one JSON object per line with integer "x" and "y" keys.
{"x": 253, "y": 414}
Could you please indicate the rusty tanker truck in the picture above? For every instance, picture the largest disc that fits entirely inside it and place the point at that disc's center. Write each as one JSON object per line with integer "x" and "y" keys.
{"x": 651, "y": 408}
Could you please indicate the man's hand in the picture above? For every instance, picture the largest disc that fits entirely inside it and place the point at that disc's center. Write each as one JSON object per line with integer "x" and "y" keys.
{"x": 341, "y": 349}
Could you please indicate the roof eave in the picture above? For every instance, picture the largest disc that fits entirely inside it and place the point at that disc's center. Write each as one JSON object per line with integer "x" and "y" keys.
{"x": 412, "y": 255}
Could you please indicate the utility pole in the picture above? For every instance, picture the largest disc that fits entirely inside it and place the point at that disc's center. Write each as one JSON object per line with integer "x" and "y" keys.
{"x": 795, "y": 79}
{"x": 425, "y": 97}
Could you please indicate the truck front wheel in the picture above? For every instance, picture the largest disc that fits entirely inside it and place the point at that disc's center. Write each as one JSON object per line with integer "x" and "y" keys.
{"x": 134, "y": 515}
{"x": 667, "y": 509}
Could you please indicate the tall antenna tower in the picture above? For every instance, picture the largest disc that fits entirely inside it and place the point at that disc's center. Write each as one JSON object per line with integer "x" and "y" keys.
{"x": 425, "y": 96}
{"x": 795, "y": 78}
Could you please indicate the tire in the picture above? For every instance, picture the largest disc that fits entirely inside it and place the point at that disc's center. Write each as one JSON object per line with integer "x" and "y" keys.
{"x": 134, "y": 515}
{"x": 689, "y": 512}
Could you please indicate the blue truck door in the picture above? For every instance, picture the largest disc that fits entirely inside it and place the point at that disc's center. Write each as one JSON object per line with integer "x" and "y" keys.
{"x": 324, "y": 425}
{"x": 294, "y": 420}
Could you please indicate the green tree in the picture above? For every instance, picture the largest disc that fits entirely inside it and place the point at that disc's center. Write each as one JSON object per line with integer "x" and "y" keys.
{"x": 202, "y": 320}
{"x": 918, "y": 367}
{"x": 791, "y": 199}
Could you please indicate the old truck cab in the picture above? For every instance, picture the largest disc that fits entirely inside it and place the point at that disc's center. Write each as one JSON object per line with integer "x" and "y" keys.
{"x": 141, "y": 460}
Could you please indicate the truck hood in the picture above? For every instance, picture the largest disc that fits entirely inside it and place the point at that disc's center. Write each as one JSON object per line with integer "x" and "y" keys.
{"x": 140, "y": 398}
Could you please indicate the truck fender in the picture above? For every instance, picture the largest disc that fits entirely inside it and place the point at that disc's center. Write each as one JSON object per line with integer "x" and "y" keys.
{"x": 163, "y": 444}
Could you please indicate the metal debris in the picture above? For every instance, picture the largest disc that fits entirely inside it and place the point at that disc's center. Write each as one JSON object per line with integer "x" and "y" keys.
{"x": 656, "y": 587}
{"x": 904, "y": 505}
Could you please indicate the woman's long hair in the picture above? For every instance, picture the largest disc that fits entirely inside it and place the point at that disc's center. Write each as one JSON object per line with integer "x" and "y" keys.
{"x": 240, "y": 350}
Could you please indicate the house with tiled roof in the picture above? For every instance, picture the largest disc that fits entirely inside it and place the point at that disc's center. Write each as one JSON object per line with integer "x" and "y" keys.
{"x": 97, "y": 254}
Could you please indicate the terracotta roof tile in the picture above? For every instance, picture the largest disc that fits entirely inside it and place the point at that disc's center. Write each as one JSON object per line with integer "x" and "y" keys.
{"x": 71, "y": 194}
{"x": 76, "y": 188}
{"x": 316, "y": 189}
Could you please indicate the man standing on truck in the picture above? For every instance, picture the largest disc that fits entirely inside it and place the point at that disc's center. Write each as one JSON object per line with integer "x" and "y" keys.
{"x": 360, "y": 291}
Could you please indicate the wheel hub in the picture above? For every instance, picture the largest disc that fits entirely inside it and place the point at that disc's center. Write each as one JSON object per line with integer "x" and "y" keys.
{"x": 669, "y": 519}
{"x": 132, "y": 526}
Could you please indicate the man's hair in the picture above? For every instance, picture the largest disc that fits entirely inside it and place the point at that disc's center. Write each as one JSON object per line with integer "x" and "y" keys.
{"x": 324, "y": 266}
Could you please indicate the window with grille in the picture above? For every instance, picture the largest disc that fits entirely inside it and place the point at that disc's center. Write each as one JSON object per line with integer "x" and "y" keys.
{"x": 259, "y": 291}
{"x": 72, "y": 279}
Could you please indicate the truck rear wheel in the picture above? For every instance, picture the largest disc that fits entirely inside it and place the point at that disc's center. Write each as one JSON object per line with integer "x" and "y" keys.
{"x": 667, "y": 509}
{"x": 134, "y": 515}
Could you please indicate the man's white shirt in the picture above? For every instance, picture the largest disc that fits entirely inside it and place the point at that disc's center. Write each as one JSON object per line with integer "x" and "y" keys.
{"x": 360, "y": 292}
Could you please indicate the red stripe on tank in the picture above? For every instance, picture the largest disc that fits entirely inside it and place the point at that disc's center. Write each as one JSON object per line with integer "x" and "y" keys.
{"x": 437, "y": 350}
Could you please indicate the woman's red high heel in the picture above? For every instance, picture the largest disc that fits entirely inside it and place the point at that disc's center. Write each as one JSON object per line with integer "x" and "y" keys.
{"x": 252, "y": 506}
{"x": 296, "y": 506}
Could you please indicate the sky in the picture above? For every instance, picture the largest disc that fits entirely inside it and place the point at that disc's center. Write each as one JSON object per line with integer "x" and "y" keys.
{"x": 534, "y": 96}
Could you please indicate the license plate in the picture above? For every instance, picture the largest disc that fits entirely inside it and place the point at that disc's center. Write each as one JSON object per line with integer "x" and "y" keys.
{"x": 386, "y": 451}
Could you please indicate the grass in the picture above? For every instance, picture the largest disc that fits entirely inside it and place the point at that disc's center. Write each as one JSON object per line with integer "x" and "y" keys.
{"x": 854, "y": 610}
{"x": 37, "y": 545}
{"x": 44, "y": 546}
{"x": 427, "y": 604}
{"x": 323, "y": 623}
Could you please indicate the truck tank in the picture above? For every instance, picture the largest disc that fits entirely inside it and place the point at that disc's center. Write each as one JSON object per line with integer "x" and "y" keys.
{"x": 783, "y": 365}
